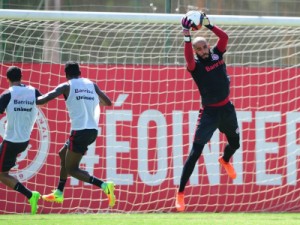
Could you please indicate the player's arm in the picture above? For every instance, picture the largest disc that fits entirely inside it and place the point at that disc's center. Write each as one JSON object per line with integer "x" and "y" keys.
{"x": 104, "y": 100}
{"x": 223, "y": 37}
{"x": 37, "y": 94}
{"x": 188, "y": 48}
{"x": 4, "y": 100}
{"x": 60, "y": 89}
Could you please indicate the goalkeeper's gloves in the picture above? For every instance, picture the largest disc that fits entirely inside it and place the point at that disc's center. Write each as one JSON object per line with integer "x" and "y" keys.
{"x": 186, "y": 25}
{"x": 206, "y": 22}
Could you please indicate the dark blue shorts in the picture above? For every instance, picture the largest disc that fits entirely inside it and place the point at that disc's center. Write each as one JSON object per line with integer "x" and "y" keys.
{"x": 9, "y": 152}
{"x": 80, "y": 140}
{"x": 211, "y": 118}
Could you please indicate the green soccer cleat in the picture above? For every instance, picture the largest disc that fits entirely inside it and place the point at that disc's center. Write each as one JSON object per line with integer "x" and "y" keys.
{"x": 55, "y": 196}
{"x": 109, "y": 188}
{"x": 33, "y": 201}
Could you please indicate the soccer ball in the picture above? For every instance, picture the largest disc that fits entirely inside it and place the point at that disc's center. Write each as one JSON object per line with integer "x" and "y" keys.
{"x": 197, "y": 18}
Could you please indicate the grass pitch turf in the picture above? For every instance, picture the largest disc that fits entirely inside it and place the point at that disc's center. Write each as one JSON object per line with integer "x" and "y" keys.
{"x": 153, "y": 219}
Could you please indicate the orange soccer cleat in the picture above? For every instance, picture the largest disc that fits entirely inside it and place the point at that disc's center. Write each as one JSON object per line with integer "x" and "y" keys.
{"x": 55, "y": 196}
{"x": 180, "y": 206}
{"x": 228, "y": 167}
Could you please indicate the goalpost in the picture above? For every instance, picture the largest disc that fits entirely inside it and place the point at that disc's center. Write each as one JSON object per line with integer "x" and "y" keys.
{"x": 146, "y": 136}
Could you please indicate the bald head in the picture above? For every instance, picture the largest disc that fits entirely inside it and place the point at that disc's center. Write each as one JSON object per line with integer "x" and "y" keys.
{"x": 199, "y": 40}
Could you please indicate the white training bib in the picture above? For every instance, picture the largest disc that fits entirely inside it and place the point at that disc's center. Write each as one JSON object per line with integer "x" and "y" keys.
{"x": 21, "y": 113}
{"x": 83, "y": 104}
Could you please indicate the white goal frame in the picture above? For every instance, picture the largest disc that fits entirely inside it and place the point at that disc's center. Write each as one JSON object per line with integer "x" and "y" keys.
{"x": 143, "y": 17}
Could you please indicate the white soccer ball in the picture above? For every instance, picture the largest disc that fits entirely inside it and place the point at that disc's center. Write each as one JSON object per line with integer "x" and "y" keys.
{"x": 197, "y": 18}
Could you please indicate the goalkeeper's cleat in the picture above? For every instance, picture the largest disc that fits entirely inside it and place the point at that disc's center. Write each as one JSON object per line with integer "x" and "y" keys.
{"x": 33, "y": 201}
{"x": 109, "y": 188}
{"x": 180, "y": 206}
{"x": 228, "y": 167}
{"x": 55, "y": 196}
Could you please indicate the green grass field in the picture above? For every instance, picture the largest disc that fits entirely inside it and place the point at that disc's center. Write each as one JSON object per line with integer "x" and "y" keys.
{"x": 153, "y": 219}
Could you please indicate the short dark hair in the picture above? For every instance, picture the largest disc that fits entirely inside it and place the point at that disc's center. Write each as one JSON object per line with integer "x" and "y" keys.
{"x": 72, "y": 69}
{"x": 14, "y": 73}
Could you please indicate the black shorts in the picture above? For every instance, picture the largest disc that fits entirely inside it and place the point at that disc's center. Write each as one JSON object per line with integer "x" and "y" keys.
{"x": 9, "y": 152}
{"x": 223, "y": 118}
{"x": 80, "y": 140}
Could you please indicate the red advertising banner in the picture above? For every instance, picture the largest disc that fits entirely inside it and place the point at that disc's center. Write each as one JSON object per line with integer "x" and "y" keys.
{"x": 145, "y": 137}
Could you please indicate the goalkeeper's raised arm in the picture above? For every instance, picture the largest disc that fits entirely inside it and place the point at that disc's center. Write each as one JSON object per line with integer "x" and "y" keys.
{"x": 189, "y": 45}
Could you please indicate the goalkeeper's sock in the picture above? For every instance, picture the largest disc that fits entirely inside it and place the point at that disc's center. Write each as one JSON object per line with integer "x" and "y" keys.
{"x": 228, "y": 153}
{"x": 23, "y": 190}
{"x": 95, "y": 181}
{"x": 61, "y": 185}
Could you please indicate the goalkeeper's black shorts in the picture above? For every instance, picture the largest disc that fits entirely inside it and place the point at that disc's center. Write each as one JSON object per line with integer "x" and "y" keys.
{"x": 223, "y": 118}
{"x": 79, "y": 140}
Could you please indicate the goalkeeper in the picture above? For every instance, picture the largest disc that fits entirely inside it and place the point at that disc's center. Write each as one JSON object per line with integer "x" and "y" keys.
{"x": 83, "y": 98}
{"x": 19, "y": 102}
{"x": 209, "y": 73}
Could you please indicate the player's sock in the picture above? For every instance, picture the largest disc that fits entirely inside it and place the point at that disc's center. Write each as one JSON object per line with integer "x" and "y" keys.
{"x": 33, "y": 201}
{"x": 95, "y": 181}
{"x": 109, "y": 188}
{"x": 61, "y": 184}
{"x": 228, "y": 153}
{"x": 23, "y": 190}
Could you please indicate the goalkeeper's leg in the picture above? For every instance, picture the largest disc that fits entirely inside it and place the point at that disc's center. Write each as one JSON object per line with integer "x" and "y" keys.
{"x": 229, "y": 150}
{"x": 224, "y": 161}
{"x": 229, "y": 126}
{"x": 186, "y": 173}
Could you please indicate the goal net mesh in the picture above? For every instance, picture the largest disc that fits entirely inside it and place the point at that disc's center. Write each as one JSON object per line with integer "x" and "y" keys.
{"x": 145, "y": 137}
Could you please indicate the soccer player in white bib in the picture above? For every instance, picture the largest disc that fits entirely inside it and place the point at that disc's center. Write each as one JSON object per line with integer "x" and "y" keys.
{"x": 83, "y": 98}
{"x": 19, "y": 103}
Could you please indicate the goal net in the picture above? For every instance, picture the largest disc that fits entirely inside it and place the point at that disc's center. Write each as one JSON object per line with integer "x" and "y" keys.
{"x": 145, "y": 137}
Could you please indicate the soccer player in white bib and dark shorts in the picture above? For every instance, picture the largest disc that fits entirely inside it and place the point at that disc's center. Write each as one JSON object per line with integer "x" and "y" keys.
{"x": 83, "y": 98}
{"x": 208, "y": 70}
{"x": 19, "y": 103}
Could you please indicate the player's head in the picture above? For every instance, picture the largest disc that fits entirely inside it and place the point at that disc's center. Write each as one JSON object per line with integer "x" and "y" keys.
{"x": 14, "y": 74}
{"x": 72, "y": 69}
{"x": 201, "y": 47}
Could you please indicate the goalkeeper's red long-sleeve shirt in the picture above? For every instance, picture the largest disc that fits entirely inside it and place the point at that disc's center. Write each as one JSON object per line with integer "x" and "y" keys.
{"x": 210, "y": 74}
